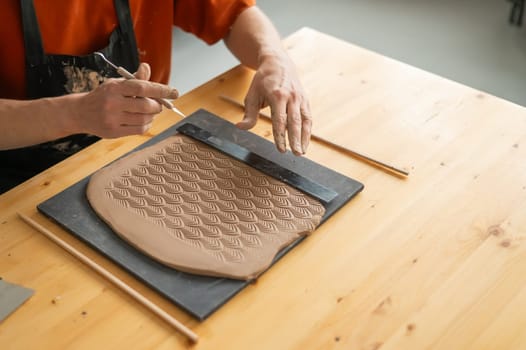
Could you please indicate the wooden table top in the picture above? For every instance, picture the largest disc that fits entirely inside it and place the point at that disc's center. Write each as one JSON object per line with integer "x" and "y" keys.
{"x": 437, "y": 260}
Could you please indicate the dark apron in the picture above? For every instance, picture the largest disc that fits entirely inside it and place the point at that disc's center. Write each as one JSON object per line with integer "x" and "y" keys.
{"x": 56, "y": 75}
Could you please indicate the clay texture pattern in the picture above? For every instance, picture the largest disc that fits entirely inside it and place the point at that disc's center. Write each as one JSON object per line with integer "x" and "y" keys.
{"x": 194, "y": 208}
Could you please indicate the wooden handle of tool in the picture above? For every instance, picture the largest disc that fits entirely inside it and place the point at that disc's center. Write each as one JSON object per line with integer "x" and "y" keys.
{"x": 360, "y": 156}
{"x": 124, "y": 73}
{"x": 112, "y": 278}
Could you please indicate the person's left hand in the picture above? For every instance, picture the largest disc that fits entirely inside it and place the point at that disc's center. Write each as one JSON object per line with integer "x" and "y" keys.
{"x": 277, "y": 85}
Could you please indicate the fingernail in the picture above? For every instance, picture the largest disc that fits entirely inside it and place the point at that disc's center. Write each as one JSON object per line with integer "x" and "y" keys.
{"x": 242, "y": 124}
{"x": 298, "y": 148}
{"x": 304, "y": 146}
{"x": 174, "y": 93}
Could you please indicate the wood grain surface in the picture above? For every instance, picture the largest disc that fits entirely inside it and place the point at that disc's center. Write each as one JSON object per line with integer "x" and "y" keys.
{"x": 436, "y": 261}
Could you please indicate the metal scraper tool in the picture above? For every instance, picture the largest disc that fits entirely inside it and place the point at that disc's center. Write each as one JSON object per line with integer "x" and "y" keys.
{"x": 314, "y": 189}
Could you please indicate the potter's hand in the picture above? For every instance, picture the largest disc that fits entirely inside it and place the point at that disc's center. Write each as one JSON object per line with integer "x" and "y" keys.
{"x": 276, "y": 84}
{"x": 121, "y": 107}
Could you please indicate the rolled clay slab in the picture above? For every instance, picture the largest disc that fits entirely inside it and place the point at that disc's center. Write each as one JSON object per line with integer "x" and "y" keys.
{"x": 195, "y": 209}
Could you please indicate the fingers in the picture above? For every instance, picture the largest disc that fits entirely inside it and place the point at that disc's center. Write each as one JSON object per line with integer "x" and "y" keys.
{"x": 287, "y": 119}
{"x": 143, "y": 72}
{"x": 122, "y": 115}
{"x": 138, "y": 105}
{"x": 136, "y": 96}
{"x": 125, "y": 130}
{"x": 279, "y": 123}
{"x": 276, "y": 84}
{"x": 133, "y": 124}
{"x": 137, "y": 115}
{"x": 121, "y": 107}
{"x": 290, "y": 116}
{"x": 294, "y": 126}
{"x": 139, "y": 88}
{"x": 252, "y": 107}
{"x": 137, "y": 120}
{"x": 143, "y": 88}
{"x": 124, "y": 123}
{"x": 306, "y": 125}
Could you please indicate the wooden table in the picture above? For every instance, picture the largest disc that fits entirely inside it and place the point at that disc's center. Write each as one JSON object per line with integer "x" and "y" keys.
{"x": 434, "y": 261}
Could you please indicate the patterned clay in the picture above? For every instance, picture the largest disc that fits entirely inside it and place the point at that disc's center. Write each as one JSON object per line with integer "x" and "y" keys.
{"x": 193, "y": 208}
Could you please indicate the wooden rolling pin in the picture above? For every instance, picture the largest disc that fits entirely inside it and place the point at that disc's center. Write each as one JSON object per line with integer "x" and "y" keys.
{"x": 112, "y": 278}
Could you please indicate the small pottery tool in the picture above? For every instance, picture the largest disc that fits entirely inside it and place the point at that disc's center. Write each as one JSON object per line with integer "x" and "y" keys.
{"x": 125, "y": 74}
{"x": 376, "y": 163}
{"x": 112, "y": 278}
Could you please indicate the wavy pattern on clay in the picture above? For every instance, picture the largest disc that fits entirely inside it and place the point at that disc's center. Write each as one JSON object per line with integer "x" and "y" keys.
{"x": 228, "y": 213}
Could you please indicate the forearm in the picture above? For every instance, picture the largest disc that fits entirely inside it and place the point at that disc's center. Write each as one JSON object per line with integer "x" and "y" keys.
{"x": 25, "y": 123}
{"x": 117, "y": 108}
{"x": 253, "y": 38}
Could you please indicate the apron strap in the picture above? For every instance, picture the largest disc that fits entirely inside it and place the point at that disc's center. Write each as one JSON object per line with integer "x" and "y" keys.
{"x": 122, "y": 9}
{"x": 32, "y": 39}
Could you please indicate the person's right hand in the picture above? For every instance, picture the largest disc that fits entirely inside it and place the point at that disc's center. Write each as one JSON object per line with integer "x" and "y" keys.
{"x": 121, "y": 107}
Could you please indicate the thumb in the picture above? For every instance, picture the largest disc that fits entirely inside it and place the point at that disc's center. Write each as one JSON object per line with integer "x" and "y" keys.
{"x": 143, "y": 72}
{"x": 250, "y": 118}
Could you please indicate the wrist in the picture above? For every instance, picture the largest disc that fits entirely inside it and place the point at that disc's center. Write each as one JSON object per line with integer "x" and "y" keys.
{"x": 271, "y": 56}
{"x": 65, "y": 110}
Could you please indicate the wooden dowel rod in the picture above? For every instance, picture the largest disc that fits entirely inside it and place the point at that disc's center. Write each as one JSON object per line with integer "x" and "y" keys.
{"x": 378, "y": 164}
{"x": 112, "y": 278}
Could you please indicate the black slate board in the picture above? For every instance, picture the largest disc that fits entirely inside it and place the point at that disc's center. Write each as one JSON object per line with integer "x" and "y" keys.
{"x": 198, "y": 295}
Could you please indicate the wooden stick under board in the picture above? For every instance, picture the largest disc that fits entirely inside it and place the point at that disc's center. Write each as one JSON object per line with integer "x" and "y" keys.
{"x": 112, "y": 278}
{"x": 376, "y": 163}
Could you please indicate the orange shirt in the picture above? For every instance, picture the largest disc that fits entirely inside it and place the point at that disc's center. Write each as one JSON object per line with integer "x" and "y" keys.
{"x": 81, "y": 27}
